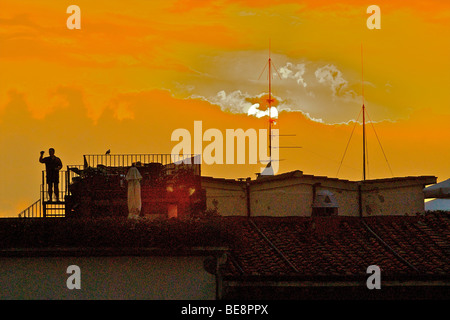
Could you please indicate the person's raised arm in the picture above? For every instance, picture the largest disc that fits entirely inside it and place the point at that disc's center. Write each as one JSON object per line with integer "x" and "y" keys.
{"x": 40, "y": 158}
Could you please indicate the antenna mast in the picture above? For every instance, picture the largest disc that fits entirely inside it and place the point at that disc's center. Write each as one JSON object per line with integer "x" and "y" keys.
{"x": 270, "y": 100}
{"x": 364, "y": 116}
{"x": 363, "y": 111}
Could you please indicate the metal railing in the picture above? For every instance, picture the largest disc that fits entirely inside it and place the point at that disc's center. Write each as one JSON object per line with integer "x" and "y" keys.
{"x": 62, "y": 186}
{"x": 66, "y": 177}
{"x": 54, "y": 210}
{"x": 127, "y": 160}
{"x": 72, "y": 172}
{"x": 33, "y": 211}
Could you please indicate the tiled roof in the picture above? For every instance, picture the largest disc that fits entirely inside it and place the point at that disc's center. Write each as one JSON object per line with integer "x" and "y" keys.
{"x": 340, "y": 246}
{"x": 300, "y": 247}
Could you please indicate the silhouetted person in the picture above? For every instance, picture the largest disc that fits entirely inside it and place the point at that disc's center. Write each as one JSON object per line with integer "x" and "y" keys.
{"x": 52, "y": 166}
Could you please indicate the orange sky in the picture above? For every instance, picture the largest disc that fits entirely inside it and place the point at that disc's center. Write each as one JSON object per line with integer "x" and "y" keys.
{"x": 138, "y": 70}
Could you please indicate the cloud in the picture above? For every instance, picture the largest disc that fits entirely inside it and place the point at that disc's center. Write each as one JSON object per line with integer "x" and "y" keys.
{"x": 332, "y": 76}
{"x": 255, "y": 111}
{"x": 234, "y": 102}
{"x": 241, "y": 103}
{"x": 296, "y": 72}
{"x": 322, "y": 91}
{"x": 388, "y": 87}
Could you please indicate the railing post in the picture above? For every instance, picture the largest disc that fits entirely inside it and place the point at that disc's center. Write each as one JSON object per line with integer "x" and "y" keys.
{"x": 43, "y": 186}
{"x": 66, "y": 189}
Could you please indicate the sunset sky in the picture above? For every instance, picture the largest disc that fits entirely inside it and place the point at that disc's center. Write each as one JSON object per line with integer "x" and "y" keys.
{"x": 137, "y": 70}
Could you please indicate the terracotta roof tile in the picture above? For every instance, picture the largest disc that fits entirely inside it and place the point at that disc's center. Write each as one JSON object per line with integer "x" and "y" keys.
{"x": 291, "y": 246}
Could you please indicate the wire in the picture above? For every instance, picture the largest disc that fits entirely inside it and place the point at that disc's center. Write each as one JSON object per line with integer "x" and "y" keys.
{"x": 389, "y": 247}
{"x": 264, "y": 69}
{"x": 276, "y": 70}
{"x": 273, "y": 246}
{"x": 328, "y": 158}
{"x": 354, "y": 126}
{"x": 379, "y": 142}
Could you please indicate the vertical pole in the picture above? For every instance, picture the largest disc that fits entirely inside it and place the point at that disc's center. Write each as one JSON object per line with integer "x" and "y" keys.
{"x": 364, "y": 115}
{"x": 43, "y": 188}
{"x": 364, "y": 143}
{"x": 270, "y": 105}
{"x": 66, "y": 187}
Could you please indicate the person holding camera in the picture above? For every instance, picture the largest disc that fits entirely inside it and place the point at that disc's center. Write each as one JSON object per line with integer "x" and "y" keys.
{"x": 52, "y": 166}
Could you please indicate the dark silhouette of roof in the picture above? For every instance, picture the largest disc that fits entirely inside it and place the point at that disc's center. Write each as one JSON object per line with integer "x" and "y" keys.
{"x": 307, "y": 248}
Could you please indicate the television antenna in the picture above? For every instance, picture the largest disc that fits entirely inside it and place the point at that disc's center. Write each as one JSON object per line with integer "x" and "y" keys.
{"x": 365, "y": 159}
{"x": 269, "y": 65}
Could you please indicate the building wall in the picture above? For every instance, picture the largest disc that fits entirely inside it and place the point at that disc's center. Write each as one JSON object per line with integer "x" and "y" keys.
{"x": 388, "y": 200}
{"x": 125, "y": 277}
{"x": 347, "y": 199}
{"x": 288, "y": 197}
{"x": 229, "y": 199}
{"x": 281, "y": 199}
{"x": 293, "y": 196}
